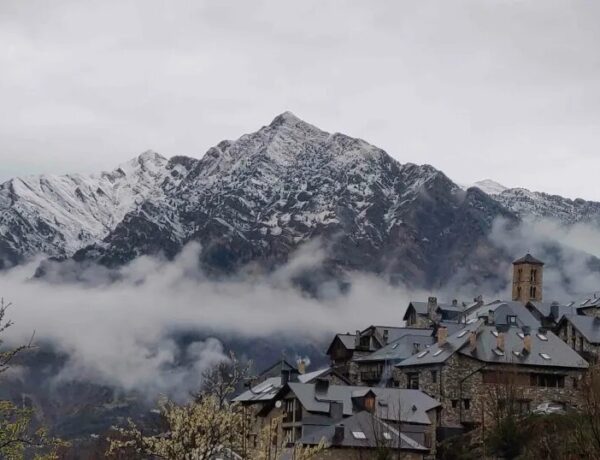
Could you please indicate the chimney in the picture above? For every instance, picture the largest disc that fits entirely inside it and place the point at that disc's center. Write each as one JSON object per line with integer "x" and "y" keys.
{"x": 491, "y": 319}
{"x": 301, "y": 366}
{"x": 554, "y": 309}
{"x": 321, "y": 387}
{"x": 473, "y": 340}
{"x": 338, "y": 434}
{"x": 336, "y": 410}
{"x": 357, "y": 339}
{"x": 500, "y": 341}
{"x": 455, "y": 303}
{"x": 432, "y": 307}
{"x": 527, "y": 343}
{"x": 442, "y": 335}
{"x": 285, "y": 377}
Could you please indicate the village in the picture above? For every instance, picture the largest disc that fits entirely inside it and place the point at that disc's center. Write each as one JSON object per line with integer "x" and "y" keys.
{"x": 447, "y": 371}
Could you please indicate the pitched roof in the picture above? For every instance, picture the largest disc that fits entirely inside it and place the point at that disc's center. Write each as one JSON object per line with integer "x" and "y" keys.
{"x": 588, "y": 326}
{"x": 547, "y": 350}
{"x": 500, "y": 310}
{"x": 401, "y": 348}
{"x": 362, "y": 430}
{"x": 545, "y": 309}
{"x": 439, "y": 353}
{"x": 348, "y": 340}
{"x": 264, "y": 391}
{"x": 528, "y": 259}
{"x": 409, "y": 406}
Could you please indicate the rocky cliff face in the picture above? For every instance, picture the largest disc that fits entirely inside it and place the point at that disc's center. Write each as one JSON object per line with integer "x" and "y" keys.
{"x": 252, "y": 201}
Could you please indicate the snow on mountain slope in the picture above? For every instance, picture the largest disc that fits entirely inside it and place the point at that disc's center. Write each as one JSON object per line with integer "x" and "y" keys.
{"x": 489, "y": 186}
{"x": 254, "y": 200}
{"x": 56, "y": 215}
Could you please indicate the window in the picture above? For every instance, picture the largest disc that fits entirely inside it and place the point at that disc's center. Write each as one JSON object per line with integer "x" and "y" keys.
{"x": 454, "y": 403}
{"x": 495, "y": 333}
{"x": 423, "y": 353}
{"x": 546, "y": 356}
{"x": 519, "y": 291}
{"x": 462, "y": 334}
{"x": 534, "y": 276}
{"x": 580, "y": 343}
{"x": 521, "y": 335}
{"x": 386, "y": 334}
{"x": 542, "y": 337}
{"x": 358, "y": 435}
{"x": 520, "y": 274}
{"x": 498, "y": 352}
{"x": 387, "y": 435}
{"x": 575, "y": 383}
{"x": 532, "y": 292}
{"x": 394, "y": 346}
{"x": 511, "y": 319}
{"x": 439, "y": 352}
{"x": 434, "y": 376}
{"x": 413, "y": 381}
{"x": 467, "y": 403}
{"x": 547, "y": 380}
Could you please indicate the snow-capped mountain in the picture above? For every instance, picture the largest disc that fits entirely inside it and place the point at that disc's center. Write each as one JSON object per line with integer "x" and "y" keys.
{"x": 528, "y": 204}
{"x": 253, "y": 201}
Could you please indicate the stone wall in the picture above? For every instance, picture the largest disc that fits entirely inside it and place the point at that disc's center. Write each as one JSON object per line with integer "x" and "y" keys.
{"x": 572, "y": 337}
{"x": 467, "y": 399}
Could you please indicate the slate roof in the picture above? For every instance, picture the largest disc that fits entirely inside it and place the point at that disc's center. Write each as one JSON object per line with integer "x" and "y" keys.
{"x": 589, "y": 301}
{"x": 409, "y": 406}
{"x": 558, "y": 352}
{"x": 545, "y": 309}
{"x": 267, "y": 390}
{"x": 501, "y": 309}
{"x": 402, "y": 347}
{"x": 528, "y": 259}
{"x": 437, "y": 353}
{"x": 588, "y": 326}
{"x": 264, "y": 391}
{"x": 348, "y": 340}
{"x": 372, "y": 428}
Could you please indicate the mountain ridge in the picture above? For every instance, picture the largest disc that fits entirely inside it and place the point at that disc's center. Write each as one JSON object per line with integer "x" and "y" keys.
{"x": 256, "y": 199}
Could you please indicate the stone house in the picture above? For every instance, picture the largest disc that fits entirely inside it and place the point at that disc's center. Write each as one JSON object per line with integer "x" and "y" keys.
{"x": 428, "y": 314}
{"x": 344, "y": 348}
{"x": 307, "y": 408}
{"x": 467, "y": 371}
{"x": 582, "y": 334}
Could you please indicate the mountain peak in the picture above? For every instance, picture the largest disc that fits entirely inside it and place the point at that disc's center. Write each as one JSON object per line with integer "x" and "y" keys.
{"x": 490, "y": 187}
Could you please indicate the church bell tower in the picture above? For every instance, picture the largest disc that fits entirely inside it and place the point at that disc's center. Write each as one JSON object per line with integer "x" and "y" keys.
{"x": 527, "y": 279}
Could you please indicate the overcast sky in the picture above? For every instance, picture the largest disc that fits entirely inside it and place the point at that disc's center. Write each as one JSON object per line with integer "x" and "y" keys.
{"x": 508, "y": 90}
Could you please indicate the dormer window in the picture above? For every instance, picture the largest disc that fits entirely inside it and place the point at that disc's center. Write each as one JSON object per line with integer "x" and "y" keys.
{"x": 511, "y": 319}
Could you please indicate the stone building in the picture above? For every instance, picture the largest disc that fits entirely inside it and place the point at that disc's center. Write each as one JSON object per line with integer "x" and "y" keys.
{"x": 467, "y": 371}
{"x": 428, "y": 314}
{"x": 582, "y": 334}
{"x": 309, "y": 408}
{"x": 528, "y": 279}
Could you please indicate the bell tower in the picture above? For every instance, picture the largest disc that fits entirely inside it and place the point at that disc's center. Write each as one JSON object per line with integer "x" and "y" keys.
{"x": 527, "y": 279}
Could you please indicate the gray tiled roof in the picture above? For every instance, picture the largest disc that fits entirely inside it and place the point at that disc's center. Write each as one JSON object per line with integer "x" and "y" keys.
{"x": 589, "y": 301}
{"x": 410, "y": 406}
{"x": 440, "y": 353}
{"x": 588, "y": 326}
{"x": 401, "y": 348}
{"x": 528, "y": 259}
{"x": 501, "y": 309}
{"x": 558, "y": 352}
{"x": 545, "y": 309}
{"x": 372, "y": 428}
{"x": 264, "y": 391}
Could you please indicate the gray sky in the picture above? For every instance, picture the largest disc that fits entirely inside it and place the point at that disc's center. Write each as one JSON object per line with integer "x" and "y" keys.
{"x": 503, "y": 89}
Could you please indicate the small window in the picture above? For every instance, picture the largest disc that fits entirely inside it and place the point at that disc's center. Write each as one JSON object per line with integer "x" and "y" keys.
{"x": 455, "y": 403}
{"x": 416, "y": 347}
{"x": 423, "y": 353}
{"x": 467, "y": 403}
{"x": 358, "y": 435}
{"x": 517, "y": 353}
{"x": 521, "y": 335}
{"x": 546, "y": 356}
{"x": 532, "y": 292}
{"x": 575, "y": 383}
{"x": 542, "y": 337}
{"x": 394, "y": 346}
{"x": 462, "y": 334}
{"x": 439, "y": 352}
{"x": 434, "y": 376}
{"x": 498, "y": 352}
{"x": 495, "y": 333}
{"x": 413, "y": 381}
{"x": 512, "y": 319}
{"x": 387, "y": 436}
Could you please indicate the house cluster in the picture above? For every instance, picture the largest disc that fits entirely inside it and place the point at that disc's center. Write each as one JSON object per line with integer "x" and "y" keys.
{"x": 409, "y": 387}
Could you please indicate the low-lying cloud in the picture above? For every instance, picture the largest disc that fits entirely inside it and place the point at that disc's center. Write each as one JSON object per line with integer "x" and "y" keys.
{"x": 122, "y": 333}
